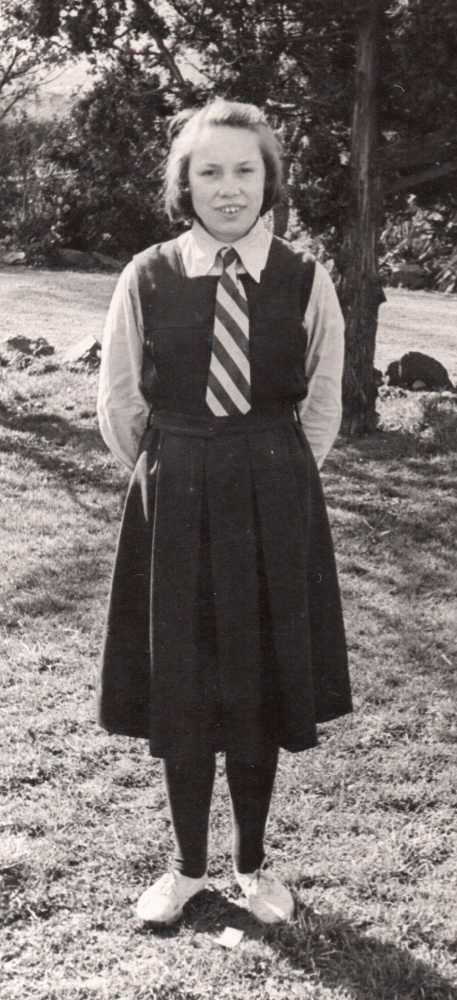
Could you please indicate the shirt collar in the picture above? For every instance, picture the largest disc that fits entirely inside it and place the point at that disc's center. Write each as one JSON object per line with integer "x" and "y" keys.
{"x": 253, "y": 249}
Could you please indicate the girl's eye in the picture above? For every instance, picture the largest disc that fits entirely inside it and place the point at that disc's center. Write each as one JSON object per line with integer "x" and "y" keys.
{"x": 208, "y": 173}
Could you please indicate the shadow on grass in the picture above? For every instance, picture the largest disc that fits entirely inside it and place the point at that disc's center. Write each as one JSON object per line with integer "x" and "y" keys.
{"x": 73, "y": 457}
{"x": 56, "y": 589}
{"x": 210, "y": 913}
{"x": 331, "y": 950}
{"x": 46, "y": 439}
{"x": 340, "y": 955}
{"x": 53, "y": 433}
{"x": 440, "y": 440}
{"x": 403, "y": 510}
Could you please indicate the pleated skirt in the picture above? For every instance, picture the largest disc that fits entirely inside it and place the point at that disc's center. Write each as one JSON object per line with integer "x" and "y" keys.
{"x": 224, "y": 625}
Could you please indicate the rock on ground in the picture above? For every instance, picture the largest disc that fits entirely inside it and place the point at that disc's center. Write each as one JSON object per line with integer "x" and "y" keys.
{"x": 416, "y": 371}
{"x": 88, "y": 350}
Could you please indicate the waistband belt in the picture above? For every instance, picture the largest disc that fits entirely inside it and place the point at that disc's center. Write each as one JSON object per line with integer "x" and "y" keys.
{"x": 210, "y": 427}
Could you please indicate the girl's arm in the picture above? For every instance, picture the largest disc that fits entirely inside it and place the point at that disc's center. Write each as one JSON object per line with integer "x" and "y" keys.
{"x": 122, "y": 408}
{"x": 320, "y": 412}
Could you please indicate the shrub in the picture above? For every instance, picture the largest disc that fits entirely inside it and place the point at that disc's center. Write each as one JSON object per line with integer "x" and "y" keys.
{"x": 112, "y": 158}
{"x": 29, "y": 185}
{"x": 93, "y": 181}
{"x": 425, "y": 236}
{"x": 439, "y": 424}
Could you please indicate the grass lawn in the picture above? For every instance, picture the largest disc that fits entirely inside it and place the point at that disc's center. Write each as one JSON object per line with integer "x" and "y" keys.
{"x": 62, "y": 306}
{"x": 418, "y": 321}
{"x": 363, "y": 828}
{"x": 65, "y": 305}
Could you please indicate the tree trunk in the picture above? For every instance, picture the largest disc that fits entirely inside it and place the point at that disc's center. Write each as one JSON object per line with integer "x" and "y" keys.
{"x": 360, "y": 290}
{"x": 282, "y": 210}
{"x": 281, "y": 217}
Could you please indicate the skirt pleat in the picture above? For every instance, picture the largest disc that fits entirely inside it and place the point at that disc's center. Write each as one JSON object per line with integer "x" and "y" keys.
{"x": 224, "y": 624}
{"x": 284, "y": 538}
{"x": 124, "y": 676}
{"x": 330, "y": 673}
{"x": 174, "y": 593}
{"x": 236, "y": 586}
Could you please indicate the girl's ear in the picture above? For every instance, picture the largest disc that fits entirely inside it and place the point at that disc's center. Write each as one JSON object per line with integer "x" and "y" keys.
{"x": 176, "y": 124}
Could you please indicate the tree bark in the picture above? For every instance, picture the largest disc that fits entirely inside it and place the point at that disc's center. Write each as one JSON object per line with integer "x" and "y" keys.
{"x": 418, "y": 152}
{"x": 281, "y": 217}
{"x": 423, "y": 177}
{"x": 360, "y": 289}
{"x": 281, "y": 211}
{"x": 147, "y": 13}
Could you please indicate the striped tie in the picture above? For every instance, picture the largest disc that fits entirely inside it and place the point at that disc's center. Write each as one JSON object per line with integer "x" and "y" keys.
{"x": 229, "y": 379}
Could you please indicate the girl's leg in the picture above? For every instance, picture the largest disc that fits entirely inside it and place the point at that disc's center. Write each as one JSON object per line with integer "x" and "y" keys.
{"x": 251, "y": 787}
{"x": 189, "y": 782}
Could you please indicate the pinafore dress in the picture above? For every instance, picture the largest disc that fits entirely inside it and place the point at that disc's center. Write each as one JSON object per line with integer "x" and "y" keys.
{"x": 224, "y": 625}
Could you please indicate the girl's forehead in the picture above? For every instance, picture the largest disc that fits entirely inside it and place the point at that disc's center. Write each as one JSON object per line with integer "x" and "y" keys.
{"x": 226, "y": 142}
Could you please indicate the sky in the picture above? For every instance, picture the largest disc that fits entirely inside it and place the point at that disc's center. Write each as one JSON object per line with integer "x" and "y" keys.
{"x": 54, "y": 96}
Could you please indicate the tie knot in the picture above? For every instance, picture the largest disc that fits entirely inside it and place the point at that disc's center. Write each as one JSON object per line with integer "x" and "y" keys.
{"x": 229, "y": 255}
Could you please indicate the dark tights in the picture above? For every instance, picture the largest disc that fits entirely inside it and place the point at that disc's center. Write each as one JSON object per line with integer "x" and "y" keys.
{"x": 189, "y": 784}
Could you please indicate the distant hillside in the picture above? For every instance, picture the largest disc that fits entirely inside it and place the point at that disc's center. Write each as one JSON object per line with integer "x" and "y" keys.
{"x": 54, "y": 97}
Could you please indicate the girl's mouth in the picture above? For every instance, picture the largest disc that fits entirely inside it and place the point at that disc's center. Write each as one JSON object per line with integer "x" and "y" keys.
{"x": 230, "y": 209}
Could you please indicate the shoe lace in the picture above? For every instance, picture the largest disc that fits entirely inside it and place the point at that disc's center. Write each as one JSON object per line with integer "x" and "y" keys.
{"x": 167, "y": 881}
{"x": 263, "y": 874}
{"x": 266, "y": 876}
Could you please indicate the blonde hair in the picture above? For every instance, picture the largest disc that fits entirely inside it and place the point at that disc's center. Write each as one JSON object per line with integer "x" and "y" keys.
{"x": 183, "y": 130}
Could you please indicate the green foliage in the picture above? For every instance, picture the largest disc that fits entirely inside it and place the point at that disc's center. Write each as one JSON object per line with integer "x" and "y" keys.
{"x": 296, "y": 60}
{"x": 425, "y": 236}
{"x": 293, "y": 59}
{"x": 26, "y": 57}
{"x": 320, "y": 196}
{"x": 30, "y": 187}
{"x": 91, "y": 27}
{"x": 421, "y": 66}
{"x": 113, "y": 153}
{"x": 46, "y": 17}
{"x": 92, "y": 182}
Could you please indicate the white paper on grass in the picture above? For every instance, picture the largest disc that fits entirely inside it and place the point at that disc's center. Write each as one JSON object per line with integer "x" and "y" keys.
{"x": 230, "y": 937}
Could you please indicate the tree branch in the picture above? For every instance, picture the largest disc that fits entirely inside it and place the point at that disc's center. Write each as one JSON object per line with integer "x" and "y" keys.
{"x": 428, "y": 149}
{"x": 18, "y": 96}
{"x": 8, "y": 72}
{"x": 185, "y": 15}
{"x": 146, "y": 12}
{"x": 412, "y": 180}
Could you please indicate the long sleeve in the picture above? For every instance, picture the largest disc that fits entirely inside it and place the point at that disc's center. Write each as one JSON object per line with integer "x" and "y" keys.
{"x": 320, "y": 412}
{"x": 122, "y": 408}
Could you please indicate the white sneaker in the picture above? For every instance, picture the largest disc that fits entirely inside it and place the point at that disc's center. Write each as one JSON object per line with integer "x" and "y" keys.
{"x": 164, "y": 901}
{"x": 268, "y": 899}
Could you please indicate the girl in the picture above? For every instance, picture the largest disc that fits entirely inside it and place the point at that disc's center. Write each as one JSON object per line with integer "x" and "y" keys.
{"x": 220, "y": 388}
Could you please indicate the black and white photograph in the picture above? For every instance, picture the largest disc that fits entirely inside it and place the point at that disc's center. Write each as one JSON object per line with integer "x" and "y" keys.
{"x": 228, "y": 509}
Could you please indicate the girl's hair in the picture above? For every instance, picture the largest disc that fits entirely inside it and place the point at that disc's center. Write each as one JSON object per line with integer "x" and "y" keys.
{"x": 184, "y": 129}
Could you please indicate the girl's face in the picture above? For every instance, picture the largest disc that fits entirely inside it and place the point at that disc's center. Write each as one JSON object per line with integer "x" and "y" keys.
{"x": 227, "y": 180}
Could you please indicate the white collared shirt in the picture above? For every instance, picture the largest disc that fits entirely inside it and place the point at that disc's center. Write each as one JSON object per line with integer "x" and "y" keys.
{"x": 199, "y": 251}
{"x": 122, "y": 408}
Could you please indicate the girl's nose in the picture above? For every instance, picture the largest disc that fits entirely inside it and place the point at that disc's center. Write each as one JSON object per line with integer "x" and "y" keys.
{"x": 229, "y": 185}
